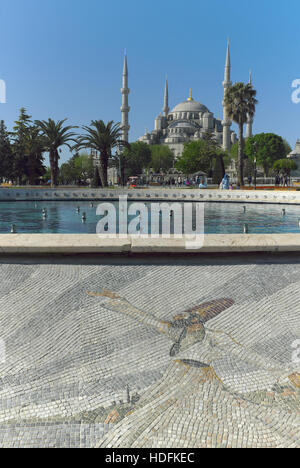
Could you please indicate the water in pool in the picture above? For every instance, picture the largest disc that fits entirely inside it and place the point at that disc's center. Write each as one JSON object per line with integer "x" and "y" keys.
{"x": 220, "y": 218}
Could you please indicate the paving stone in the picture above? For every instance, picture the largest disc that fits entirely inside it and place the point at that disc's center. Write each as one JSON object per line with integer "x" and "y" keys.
{"x": 199, "y": 372}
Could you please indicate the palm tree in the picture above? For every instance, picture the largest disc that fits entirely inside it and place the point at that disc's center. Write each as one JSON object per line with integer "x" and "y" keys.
{"x": 55, "y": 135}
{"x": 102, "y": 138}
{"x": 240, "y": 104}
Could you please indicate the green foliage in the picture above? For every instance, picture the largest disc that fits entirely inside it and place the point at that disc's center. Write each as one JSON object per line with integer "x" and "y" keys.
{"x": 234, "y": 151}
{"x": 285, "y": 166}
{"x": 287, "y": 147}
{"x": 194, "y": 158}
{"x": 136, "y": 157}
{"x": 268, "y": 148}
{"x": 84, "y": 167}
{"x": 162, "y": 158}
{"x": 47, "y": 175}
{"x": 55, "y": 135}
{"x": 77, "y": 170}
{"x": 19, "y": 136}
{"x": 203, "y": 155}
{"x": 96, "y": 181}
{"x": 6, "y": 156}
{"x": 218, "y": 170}
{"x": 240, "y": 103}
{"x": 34, "y": 148}
{"x": 103, "y": 138}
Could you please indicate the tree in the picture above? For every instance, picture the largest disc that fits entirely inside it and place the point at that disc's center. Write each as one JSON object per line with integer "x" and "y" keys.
{"x": 84, "y": 167}
{"x": 287, "y": 147}
{"x": 196, "y": 157}
{"x": 285, "y": 166}
{"x": 77, "y": 170}
{"x": 55, "y": 135}
{"x": 220, "y": 159}
{"x": 34, "y": 148}
{"x": 267, "y": 147}
{"x": 248, "y": 161}
{"x": 96, "y": 181}
{"x": 136, "y": 157}
{"x": 20, "y": 136}
{"x": 240, "y": 104}
{"x": 6, "y": 154}
{"x": 103, "y": 138}
{"x": 47, "y": 175}
{"x": 66, "y": 174}
{"x": 162, "y": 158}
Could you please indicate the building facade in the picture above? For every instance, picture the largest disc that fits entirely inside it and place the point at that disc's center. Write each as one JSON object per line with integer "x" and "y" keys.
{"x": 295, "y": 156}
{"x": 190, "y": 120}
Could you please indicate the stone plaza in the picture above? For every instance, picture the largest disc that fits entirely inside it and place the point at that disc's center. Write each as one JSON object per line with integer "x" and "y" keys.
{"x": 150, "y": 351}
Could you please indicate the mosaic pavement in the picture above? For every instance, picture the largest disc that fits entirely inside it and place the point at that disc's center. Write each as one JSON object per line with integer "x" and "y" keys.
{"x": 151, "y": 353}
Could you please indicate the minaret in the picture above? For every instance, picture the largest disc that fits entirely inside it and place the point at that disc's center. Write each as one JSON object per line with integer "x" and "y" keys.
{"x": 226, "y": 121}
{"x": 125, "y": 108}
{"x": 166, "y": 108}
{"x": 249, "y": 133}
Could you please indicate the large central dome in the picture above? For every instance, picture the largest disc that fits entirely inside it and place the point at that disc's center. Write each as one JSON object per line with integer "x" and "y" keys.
{"x": 189, "y": 106}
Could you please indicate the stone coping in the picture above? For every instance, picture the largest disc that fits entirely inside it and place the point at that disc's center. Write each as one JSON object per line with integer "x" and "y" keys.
{"x": 208, "y": 195}
{"x": 66, "y": 244}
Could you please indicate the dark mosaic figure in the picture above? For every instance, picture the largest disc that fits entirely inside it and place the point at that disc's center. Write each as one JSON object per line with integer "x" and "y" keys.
{"x": 184, "y": 330}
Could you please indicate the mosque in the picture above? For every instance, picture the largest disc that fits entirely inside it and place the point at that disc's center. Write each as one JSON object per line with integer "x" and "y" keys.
{"x": 188, "y": 121}
{"x": 295, "y": 156}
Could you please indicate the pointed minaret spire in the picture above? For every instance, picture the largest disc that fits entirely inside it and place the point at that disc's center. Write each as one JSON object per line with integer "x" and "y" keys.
{"x": 249, "y": 125}
{"x": 166, "y": 108}
{"x": 125, "y": 109}
{"x": 226, "y": 84}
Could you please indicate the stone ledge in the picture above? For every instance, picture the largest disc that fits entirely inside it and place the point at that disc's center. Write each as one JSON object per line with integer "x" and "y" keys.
{"x": 160, "y": 194}
{"x": 61, "y": 243}
{"x": 91, "y": 243}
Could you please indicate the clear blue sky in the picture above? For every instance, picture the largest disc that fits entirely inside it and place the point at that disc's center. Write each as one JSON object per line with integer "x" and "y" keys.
{"x": 63, "y": 58}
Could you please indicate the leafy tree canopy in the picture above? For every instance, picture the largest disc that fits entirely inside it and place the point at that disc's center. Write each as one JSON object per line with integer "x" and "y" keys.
{"x": 268, "y": 148}
{"x": 136, "y": 158}
{"x": 285, "y": 166}
{"x": 200, "y": 156}
{"x": 77, "y": 170}
{"x": 240, "y": 103}
{"x": 6, "y": 158}
{"x": 162, "y": 158}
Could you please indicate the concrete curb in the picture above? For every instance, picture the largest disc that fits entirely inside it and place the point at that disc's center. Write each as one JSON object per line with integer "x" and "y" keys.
{"x": 66, "y": 244}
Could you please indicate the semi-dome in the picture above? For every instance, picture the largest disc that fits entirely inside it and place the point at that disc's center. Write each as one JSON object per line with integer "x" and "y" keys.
{"x": 183, "y": 125}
